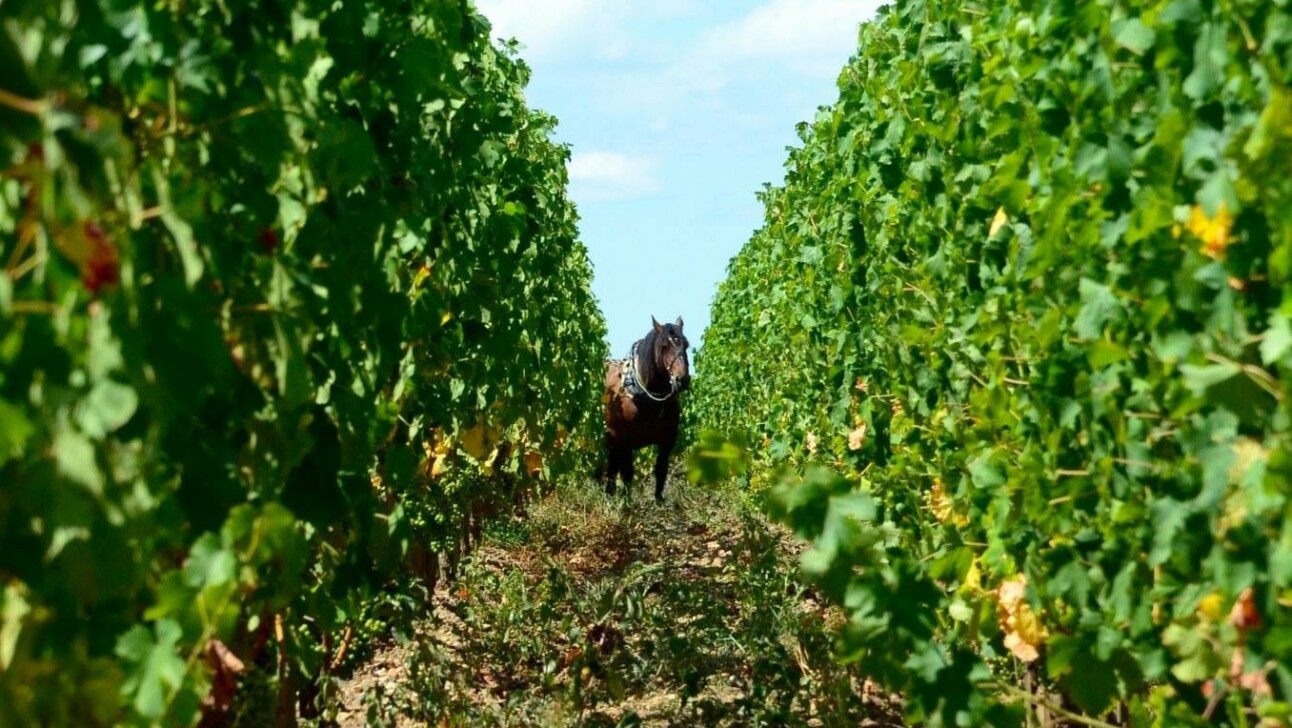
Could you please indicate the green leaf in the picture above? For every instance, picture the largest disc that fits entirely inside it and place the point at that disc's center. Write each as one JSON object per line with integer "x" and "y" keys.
{"x": 14, "y": 608}
{"x": 1098, "y": 307}
{"x": 346, "y": 155}
{"x": 716, "y": 457}
{"x": 107, "y": 407}
{"x": 1209, "y": 58}
{"x": 1092, "y": 683}
{"x": 15, "y": 430}
{"x": 1182, "y": 11}
{"x": 158, "y": 669}
{"x": 817, "y": 561}
{"x": 1200, "y": 379}
{"x": 1281, "y": 558}
{"x": 1134, "y": 36}
{"x": 209, "y": 564}
{"x": 75, "y": 456}
{"x": 1278, "y": 339}
{"x": 856, "y": 505}
{"x": 180, "y": 230}
{"x": 984, "y": 473}
{"x": 960, "y": 611}
{"x": 1060, "y": 653}
{"x": 1274, "y": 126}
{"x": 1217, "y": 191}
{"x": 1168, "y": 518}
{"x": 291, "y": 370}
{"x": 1227, "y": 385}
{"x": 1104, "y": 353}
{"x": 1196, "y": 658}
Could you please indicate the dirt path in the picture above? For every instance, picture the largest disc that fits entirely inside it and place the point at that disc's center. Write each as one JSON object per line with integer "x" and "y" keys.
{"x": 597, "y": 613}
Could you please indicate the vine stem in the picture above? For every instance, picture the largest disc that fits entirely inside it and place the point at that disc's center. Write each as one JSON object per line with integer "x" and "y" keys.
{"x": 1042, "y": 703}
{"x": 36, "y": 307}
{"x": 27, "y": 266}
{"x": 35, "y": 107}
{"x": 26, "y": 235}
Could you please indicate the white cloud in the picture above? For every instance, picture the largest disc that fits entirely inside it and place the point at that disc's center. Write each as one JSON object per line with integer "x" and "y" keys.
{"x": 541, "y": 26}
{"x": 605, "y": 176}
{"x": 730, "y": 68}
{"x": 806, "y": 33}
{"x": 577, "y": 29}
{"x": 549, "y": 28}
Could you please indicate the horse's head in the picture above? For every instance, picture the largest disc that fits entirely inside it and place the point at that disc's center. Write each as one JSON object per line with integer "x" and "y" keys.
{"x": 670, "y": 353}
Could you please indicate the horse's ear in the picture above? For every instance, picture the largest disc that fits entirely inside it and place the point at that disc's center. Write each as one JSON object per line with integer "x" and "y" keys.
{"x": 678, "y": 323}
{"x": 655, "y": 324}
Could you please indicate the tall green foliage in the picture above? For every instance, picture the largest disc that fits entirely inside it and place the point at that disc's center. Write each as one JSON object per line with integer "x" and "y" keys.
{"x": 292, "y": 292}
{"x": 1022, "y": 295}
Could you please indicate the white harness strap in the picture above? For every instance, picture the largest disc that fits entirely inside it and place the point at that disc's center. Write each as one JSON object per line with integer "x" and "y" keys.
{"x": 634, "y": 385}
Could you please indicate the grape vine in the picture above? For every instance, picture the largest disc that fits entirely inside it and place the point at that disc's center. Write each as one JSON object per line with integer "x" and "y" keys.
{"x": 1010, "y": 349}
{"x": 292, "y": 299}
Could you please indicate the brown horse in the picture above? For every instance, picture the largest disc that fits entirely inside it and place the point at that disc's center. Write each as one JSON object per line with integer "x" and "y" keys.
{"x": 641, "y": 402}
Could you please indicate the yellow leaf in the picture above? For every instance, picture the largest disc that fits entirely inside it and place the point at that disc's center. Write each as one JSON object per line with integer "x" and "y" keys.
{"x": 1247, "y": 453}
{"x": 942, "y": 506}
{"x": 473, "y": 441}
{"x": 998, "y": 222}
{"x": 437, "y": 451}
{"x": 1028, "y": 626}
{"x": 420, "y": 277}
{"x": 1212, "y": 231}
{"x": 939, "y": 502}
{"x": 447, "y": 317}
{"x": 1212, "y": 606}
{"x": 973, "y": 579}
{"x": 1027, "y": 634}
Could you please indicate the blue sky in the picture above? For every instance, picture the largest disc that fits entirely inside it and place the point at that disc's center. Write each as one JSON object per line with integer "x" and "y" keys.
{"x": 677, "y": 112}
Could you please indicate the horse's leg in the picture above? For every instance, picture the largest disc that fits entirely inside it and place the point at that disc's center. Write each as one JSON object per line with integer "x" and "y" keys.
{"x": 629, "y": 470}
{"x": 612, "y": 467}
{"x": 661, "y": 468}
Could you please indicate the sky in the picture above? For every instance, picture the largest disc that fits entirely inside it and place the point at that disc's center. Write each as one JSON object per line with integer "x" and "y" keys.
{"x": 677, "y": 113}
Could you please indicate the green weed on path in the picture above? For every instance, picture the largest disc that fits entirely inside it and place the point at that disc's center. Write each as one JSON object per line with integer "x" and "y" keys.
{"x": 595, "y": 612}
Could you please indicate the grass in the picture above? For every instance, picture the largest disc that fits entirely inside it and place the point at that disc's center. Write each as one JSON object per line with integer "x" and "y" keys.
{"x": 598, "y": 612}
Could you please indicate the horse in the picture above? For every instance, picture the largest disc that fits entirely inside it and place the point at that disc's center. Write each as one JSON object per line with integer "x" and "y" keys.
{"x": 641, "y": 402}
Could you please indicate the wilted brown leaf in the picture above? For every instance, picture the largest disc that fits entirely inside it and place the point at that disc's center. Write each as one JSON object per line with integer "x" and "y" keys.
{"x": 1024, "y": 632}
{"x": 857, "y": 437}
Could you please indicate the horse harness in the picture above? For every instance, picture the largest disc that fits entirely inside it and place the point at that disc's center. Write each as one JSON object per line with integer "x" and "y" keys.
{"x": 637, "y": 388}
